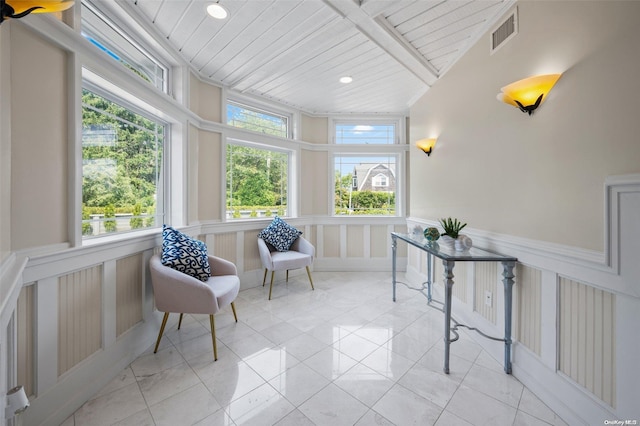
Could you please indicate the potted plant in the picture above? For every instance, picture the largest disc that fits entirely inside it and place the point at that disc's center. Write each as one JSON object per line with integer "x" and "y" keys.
{"x": 452, "y": 235}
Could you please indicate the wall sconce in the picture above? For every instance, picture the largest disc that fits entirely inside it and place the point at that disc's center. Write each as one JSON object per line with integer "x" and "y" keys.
{"x": 426, "y": 145}
{"x": 21, "y": 8}
{"x": 17, "y": 402}
{"x": 529, "y": 93}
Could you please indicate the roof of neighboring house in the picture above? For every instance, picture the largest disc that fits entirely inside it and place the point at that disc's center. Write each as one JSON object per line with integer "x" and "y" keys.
{"x": 363, "y": 170}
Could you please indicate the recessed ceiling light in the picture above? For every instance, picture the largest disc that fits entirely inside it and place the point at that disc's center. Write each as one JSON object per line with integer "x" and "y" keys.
{"x": 346, "y": 79}
{"x": 217, "y": 11}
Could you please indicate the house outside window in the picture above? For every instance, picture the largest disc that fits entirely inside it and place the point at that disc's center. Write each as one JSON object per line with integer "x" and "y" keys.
{"x": 122, "y": 173}
{"x": 365, "y": 185}
{"x": 366, "y": 162}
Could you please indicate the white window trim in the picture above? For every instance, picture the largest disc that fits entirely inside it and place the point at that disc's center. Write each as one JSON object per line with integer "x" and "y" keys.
{"x": 111, "y": 19}
{"x": 292, "y": 115}
{"x": 399, "y": 153}
{"x": 101, "y": 87}
{"x": 292, "y": 175}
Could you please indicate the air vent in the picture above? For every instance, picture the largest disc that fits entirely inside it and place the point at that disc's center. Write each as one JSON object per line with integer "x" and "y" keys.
{"x": 505, "y": 31}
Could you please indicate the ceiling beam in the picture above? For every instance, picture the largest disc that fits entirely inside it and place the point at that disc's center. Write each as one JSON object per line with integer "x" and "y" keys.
{"x": 383, "y": 34}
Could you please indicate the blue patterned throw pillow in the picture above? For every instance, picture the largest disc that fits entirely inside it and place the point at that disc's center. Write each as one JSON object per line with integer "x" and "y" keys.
{"x": 279, "y": 234}
{"x": 185, "y": 254}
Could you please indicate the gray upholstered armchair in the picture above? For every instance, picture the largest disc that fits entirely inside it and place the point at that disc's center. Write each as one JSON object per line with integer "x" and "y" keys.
{"x": 177, "y": 292}
{"x": 299, "y": 255}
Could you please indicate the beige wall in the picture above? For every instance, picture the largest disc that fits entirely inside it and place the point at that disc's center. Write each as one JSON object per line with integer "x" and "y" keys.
{"x": 39, "y": 141}
{"x": 538, "y": 176}
{"x": 210, "y": 185}
{"x": 314, "y": 183}
{"x": 205, "y": 99}
{"x": 192, "y": 175}
{"x": 5, "y": 144}
{"x": 314, "y": 129}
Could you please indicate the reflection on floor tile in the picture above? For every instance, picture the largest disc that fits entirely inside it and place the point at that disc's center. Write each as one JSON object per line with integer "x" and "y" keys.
{"x": 344, "y": 354}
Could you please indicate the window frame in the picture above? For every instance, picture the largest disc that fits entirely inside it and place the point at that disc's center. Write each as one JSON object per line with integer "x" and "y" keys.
{"x": 126, "y": 100}
{"x": 400, "y": 164}
{"x": 292, "y": 165}
{"x": 261, "y": 105}
{"x": 396, "y": 121}
{"x": 145, "y": 50}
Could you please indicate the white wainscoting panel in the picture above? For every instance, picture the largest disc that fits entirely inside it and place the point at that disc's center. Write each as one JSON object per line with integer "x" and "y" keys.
{"x": 128, "y": 292}
{"x": 587, "y": 338}
{"x": 79, "y": 316}
{"x": 225, "y": 246}
{"x": 355, "y": 239}
{"x": 486, "y": 280}
{"x": 527, "y": 307}
{"x": 460, "y": 279}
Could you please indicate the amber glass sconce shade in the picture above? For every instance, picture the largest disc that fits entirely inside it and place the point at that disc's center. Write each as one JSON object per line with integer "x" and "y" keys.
{"x": 20, "y": 8}
{"x": 426, "y": 145}
{"x": 529, "y": 93}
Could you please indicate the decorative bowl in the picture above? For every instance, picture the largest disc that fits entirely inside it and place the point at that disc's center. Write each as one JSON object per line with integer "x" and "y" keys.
{"x": 431, "y": 234}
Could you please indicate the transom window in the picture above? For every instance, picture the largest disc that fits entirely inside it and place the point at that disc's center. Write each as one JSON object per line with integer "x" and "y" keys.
{"x": 122, "y": 151}
{"x": 369, "y": 133}
{"x": 257, "y": 181}
{"x": 257, "y": 120}
{"x": 365, "y": 185}
{"x": 109, "y": 38}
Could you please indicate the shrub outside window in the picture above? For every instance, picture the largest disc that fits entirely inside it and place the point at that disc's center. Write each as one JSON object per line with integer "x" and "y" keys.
{"x": 122, "y": 180}
{"x": 257, "y": 182}
{"x": 365, "y": 185}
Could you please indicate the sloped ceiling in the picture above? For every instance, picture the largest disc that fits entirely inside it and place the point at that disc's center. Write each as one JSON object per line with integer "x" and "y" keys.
{"x": 295, "y": 51}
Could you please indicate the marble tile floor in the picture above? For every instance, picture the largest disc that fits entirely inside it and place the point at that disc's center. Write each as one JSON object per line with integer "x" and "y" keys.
{"x": 344, "y": 354}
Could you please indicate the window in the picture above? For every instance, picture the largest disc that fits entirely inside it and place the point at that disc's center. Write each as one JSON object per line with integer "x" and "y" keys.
{"x": 380, "y": 180}
{"x": 257, "y": 120}
{"x": 257, "y": 181}
{"x": 122, "y": 152}
{"x": 370, "y": 133}
{"x": 365, "y": 185}
{"x": 106, "y": 36}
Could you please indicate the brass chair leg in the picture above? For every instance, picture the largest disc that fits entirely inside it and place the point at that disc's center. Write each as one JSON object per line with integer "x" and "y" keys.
{"x": 164, "y": 322}
{"x": 310, "y": 280}
{"x": 271, "y": 286}
{"x": 264, "y": 278}
{"x": 287, "y": 276}
{"x": 180, "y": 322}
{"x": 233, "y": 308}
{"x": 213, "y": 337}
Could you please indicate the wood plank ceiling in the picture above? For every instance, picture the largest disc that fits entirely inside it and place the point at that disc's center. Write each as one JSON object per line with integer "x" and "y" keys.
{"x": 295, "y": 51}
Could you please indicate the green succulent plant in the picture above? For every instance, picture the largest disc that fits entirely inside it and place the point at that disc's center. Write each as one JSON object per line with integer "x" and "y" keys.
{"x": 452, "y": 227}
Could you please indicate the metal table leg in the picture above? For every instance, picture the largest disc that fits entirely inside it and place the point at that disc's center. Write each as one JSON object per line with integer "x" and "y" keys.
{"x": 448, "y": 284}
{"x": 508, "y": 305}
{"x": 429, "y": 276}
{"x": 394, "y": 244}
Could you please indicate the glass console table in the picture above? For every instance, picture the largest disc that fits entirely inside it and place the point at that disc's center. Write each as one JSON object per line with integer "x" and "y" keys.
{"x": 449, "y": 257}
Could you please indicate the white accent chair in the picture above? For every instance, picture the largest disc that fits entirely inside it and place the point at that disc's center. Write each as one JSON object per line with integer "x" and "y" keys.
{"x": 299, "y": 255}
{"x": 178, "y": 292}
